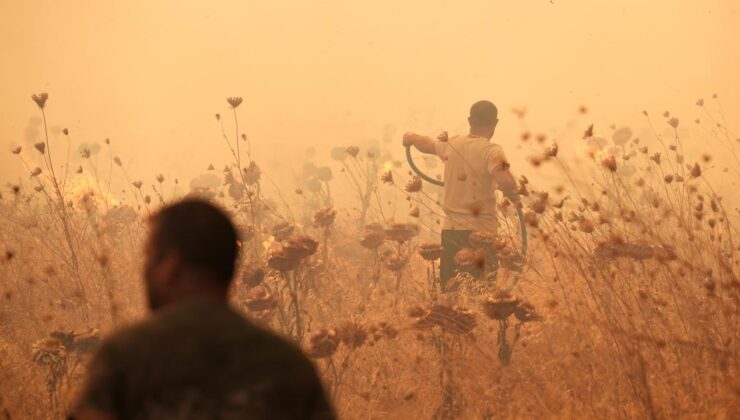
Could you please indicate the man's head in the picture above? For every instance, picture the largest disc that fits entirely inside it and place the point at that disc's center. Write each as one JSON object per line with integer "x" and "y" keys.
{"x": 191, "y": 251}
{"x": 483, "y": 119}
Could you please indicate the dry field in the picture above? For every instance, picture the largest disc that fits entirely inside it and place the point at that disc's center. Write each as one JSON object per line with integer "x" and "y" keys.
{"x": 626, "y": 305}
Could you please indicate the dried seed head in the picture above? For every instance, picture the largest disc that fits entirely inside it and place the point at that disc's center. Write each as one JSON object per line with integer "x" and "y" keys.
{"x": 324, "y": 217}
{"x": 353, "y": 151}
{"x": 468, "y": 257}
{"x": 252, "y": 173}
{"x": 540, "y": 203}
{"x": 500, "y": 305}
{"x": 610, "y": 163}
{"x": 401, "y": 232}
{"x": 234, "y": 101}
{"x": 695, "y": 171}
{"x": 430, "y": 251}
{"x": 552, "y": 151}
{"x": 49, "y": 352}
{"x": 511, "y": 260}
{"x": 485, "y": 240}
{"x": 589, "y": 132}
{"x": 282, "y": 261}
{"x": 387, "y": 177}
{"x": 387, "y": 330}
{"x": 450, "y": 319}
{"x": 352, "y": 334}
{"x": 535, "y": 161}
{"x": 586, "y": 226}
{"x": 322, "y": 344}
{"x": 282, "y": 231}
{"x": 301, "y": 247}
{"x": 40, "y": 99}
{"x": 525, "y": 312}
{"x": 372, "y": 239}
{"x": 259, "y": 299}
{"x": 414, "y": 185}
{"x": 41, "y": 147}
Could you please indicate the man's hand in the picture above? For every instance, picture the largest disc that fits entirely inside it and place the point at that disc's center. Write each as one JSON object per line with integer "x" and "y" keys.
{"x": 411, "y": 139}
{"x": 506, "y": 183}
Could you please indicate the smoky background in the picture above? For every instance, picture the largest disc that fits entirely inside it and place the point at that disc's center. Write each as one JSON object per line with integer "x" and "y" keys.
{"x": 317, "y": 75}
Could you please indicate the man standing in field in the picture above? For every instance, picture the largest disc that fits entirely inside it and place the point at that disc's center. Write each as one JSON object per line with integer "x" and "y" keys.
{"x": 474, "y": 169}
{"x": 196, "y": 357}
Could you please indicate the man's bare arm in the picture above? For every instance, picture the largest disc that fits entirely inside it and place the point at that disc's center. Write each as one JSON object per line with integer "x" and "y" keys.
{"x": 506, "y": 182}
{"x": 423, "y": 143}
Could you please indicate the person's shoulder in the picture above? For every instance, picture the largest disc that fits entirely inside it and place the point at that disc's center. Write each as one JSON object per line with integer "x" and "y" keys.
{"x": 126, "y": 338}
{"x": 494, "y": 147}
{"x": 270, "y": 344}
{"x": 146, "y": 331}
{"x": 459, "y": 138}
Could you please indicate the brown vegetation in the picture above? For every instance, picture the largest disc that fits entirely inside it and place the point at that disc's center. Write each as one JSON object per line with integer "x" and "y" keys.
{"x": 627, "y": 304}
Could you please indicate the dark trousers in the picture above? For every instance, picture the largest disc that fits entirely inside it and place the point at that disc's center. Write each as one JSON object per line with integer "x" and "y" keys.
{"x": 452, "y": 242}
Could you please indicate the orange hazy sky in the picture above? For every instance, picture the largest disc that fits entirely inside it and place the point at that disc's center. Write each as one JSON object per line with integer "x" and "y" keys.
{"x": 151, "y": 74}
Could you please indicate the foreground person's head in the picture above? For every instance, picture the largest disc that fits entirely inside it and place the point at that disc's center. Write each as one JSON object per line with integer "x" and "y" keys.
{"x": 191, "y": 251}
{"x": 483, "y": 119}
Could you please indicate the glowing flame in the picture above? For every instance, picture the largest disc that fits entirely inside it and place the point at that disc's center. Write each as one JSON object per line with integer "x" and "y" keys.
{"x": 387, "y": 166}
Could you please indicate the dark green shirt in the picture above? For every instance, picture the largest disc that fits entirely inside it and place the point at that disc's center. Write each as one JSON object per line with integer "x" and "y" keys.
{"x": 200, "y": 359}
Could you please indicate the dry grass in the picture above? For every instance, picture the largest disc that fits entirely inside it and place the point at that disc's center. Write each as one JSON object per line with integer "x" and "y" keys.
{"x": 627, "y": 305}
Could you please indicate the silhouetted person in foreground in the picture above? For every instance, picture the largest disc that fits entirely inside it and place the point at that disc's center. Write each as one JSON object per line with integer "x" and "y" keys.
{"x": 196, "y": 357}
{"x": 475, "y": 168}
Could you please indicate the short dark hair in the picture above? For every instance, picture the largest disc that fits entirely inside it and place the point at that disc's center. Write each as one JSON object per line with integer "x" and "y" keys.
{"x": 201, "y": 234}
{"x": 483, "y": 113}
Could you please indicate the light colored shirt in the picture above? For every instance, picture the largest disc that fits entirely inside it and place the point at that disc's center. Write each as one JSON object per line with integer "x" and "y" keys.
{"x": 469, "y": 197}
